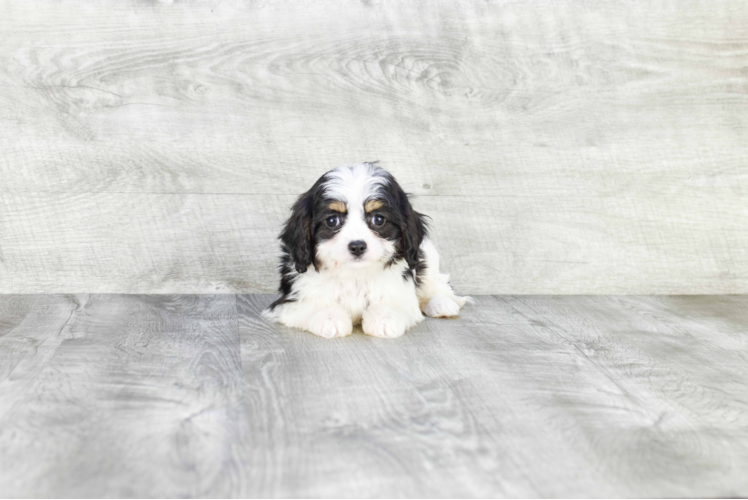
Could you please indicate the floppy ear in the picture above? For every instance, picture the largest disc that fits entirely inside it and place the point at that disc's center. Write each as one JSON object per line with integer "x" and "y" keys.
{"x": 296, "y": 237}
{"x": 414, "y": 230}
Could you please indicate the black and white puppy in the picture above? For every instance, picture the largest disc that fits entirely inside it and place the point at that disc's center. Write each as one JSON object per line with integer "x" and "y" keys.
{"x": 355, "y": 252}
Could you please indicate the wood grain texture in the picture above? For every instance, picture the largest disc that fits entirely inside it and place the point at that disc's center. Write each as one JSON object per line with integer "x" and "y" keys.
{"x": 130, "y": 396}
{"x": 522, "y": 396}
{"x": 113, "y": 242}
{"x": 565, "y": 148}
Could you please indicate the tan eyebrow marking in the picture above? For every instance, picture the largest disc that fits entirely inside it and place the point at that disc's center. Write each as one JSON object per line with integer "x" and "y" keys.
{"x": 338, "y": 206}
{"x": 372, "y": 205}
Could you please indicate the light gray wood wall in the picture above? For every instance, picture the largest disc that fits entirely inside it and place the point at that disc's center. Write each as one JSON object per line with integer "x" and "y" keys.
{"x": 560, "y": 146}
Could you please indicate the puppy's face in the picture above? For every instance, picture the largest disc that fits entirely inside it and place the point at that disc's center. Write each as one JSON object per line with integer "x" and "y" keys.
{"x": 353, "y": 217}
{"x": 355, "y": 232}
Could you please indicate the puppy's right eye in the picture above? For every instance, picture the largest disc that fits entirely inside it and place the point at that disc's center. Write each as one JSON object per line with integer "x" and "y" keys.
{"x": 332, "y": 221}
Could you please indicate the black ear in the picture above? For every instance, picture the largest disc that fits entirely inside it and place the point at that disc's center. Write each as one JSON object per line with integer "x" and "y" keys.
{"x": 296, "y": 237}
{"x": 414, "y": 229}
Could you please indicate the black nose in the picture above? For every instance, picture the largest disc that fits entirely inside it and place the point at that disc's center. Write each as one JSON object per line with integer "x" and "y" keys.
{"x": 357, "y": 248}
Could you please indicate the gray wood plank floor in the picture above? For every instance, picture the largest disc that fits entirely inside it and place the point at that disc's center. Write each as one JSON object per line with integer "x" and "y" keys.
{"x": 196, "y": 395}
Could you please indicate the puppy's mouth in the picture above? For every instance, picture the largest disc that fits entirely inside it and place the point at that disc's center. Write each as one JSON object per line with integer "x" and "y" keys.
{"x": 358, "y": 261}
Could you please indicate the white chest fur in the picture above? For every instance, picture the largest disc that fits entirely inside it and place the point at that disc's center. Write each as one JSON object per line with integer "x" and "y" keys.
{"x": 357, "y": 289}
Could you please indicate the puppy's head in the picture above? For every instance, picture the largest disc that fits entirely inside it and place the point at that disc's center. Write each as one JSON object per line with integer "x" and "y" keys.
{"x": 353, "y": 217}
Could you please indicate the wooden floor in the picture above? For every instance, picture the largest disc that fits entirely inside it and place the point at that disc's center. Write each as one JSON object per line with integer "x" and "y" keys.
{"x": 196, "y": 395}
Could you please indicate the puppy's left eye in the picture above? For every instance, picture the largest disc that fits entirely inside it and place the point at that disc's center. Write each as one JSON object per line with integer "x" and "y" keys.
{"x": 332, "y": 221}
{"x": 377, "y": 220}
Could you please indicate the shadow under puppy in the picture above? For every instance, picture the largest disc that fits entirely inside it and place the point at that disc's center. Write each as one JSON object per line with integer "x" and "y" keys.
{"x": 354, "y": 251}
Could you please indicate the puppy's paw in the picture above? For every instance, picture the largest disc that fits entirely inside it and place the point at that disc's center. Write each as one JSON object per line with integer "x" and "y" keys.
{"x": 442, "y": 306}
{"x": 330, "y": 323}
{"x": 385, "y": 325}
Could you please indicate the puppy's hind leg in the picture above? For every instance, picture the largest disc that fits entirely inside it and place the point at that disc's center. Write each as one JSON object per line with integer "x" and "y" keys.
{"x": 435, "y": 294}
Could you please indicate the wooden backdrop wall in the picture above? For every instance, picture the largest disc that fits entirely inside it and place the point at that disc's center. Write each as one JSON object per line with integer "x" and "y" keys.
{"x": 560, "y": 146}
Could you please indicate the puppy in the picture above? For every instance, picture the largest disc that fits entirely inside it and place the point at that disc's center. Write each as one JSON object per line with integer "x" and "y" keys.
{"x": 355, "y": 252}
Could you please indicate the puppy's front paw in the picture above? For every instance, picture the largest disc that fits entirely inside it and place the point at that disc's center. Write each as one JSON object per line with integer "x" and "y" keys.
{"x": 442, "y": 306}
{"x": 384, "y": 325}
{"x": 331, "y": 323}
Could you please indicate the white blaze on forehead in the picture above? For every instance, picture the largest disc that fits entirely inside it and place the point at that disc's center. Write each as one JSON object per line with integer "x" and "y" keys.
{"x": 354, "y": 184}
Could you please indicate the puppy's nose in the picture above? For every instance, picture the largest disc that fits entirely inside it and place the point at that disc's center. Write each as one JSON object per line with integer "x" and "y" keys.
{"x": 357, "y": 247}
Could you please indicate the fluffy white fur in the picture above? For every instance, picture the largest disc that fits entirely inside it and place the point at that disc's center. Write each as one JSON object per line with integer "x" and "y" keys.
{"x": 370, "y": 291}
